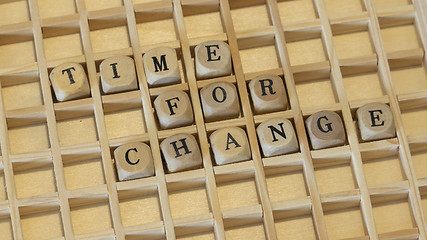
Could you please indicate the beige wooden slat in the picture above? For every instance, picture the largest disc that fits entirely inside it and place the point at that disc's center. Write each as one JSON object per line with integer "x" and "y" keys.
{"x": 405, "y": 153}
{"x": 317, "y": 211}
{"x": 150, "y": 121}
{"x": 100, "y": 122}
{"x": 51, "y": 122}
{"x": 353, "y": 141}
{"x": 199, "y": 120}
{"x": 260, "y": 181}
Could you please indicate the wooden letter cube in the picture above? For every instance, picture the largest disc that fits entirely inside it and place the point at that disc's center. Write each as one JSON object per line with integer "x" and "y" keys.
{"x": 325, "y": 129}
{"x": 375, "y": 121}
{"x": 181, "y": 152}
{"x": 230, "y": 145}
{"x": 161, "y": 66}
{"x": 133, "y": 160}
{"x": 69, "y": 81}
{"x": 268, "y": 94}
{"x": 213, "y": 59}
{"x": 277, "y": 137}
{"x": 173, "y": 109}
{"x": 118, "y": 74}
{"x": 220, "y": 101}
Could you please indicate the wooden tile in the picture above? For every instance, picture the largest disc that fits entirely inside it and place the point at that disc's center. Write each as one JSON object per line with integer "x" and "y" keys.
{"x": 69, "y": 81}
{"x": 133, "y": 160}
{"x": 375, "y": 121}
{"x": 218, "y": 96}
{"x": 181, "y": 152}
{"x": 268, "y": 94}
{"x": 325, "y": 129}
{"x": 230, "y": 145}
{"x": 213, "y": 59}
{"x": 118, "y": 74}
{"x": 161, "y": 66}
{"x": 277, "y": 137}
{"x": 174, "y": 109}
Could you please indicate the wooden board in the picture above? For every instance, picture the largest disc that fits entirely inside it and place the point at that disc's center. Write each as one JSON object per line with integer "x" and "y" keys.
{"x": 57, "y": 175}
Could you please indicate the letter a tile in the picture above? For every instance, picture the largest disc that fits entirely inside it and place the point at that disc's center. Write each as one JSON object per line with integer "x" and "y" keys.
{"x": 230, "y": 145}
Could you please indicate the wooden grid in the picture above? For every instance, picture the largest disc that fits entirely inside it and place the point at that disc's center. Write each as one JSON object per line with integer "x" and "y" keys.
{"x": 57, "y": 175}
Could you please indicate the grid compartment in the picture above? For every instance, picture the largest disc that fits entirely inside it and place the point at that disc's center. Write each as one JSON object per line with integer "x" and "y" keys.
{"x": 14, "y": 12}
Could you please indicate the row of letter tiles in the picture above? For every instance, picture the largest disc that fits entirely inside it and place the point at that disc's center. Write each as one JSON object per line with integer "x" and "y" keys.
{"x": 276, "y": 136}
{"x": 212, "y": 59}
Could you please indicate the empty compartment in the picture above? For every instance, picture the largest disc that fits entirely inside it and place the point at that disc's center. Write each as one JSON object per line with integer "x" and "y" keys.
{"x": 6, "y": 228}
{"x": 123, "y": 119}
{"x": 334, "y": 177}
{"x": 93, "y": 5}
{"x": 382, "y": 166}
{"x": 355, "y": 86}
{"x": 296, "y": 10}
{"x": 28, "y": 133}
{"x": 188, "y": 199}
{"x": 83, "y": 170}
{"x": 243, "y": 12}
{"x": 3, "y": 189}
{"x": 56, "y": 8}
{"x": 419, "y": 159}
{"x": 300, "y": 227}
{"x": 409, "y": 79}
{"x": 353, "y": 44}
{"x": 341, "y": 8}
{"x": 21, "y": 91}
{"x": 62, "y": 41}
{"x": 413, "y": 112}
{"x": 345, "y": 223}
{"x": 198, "y": 236}
{"x": 385, "y": 4}
{"x": 202, "y": 19}
{"x": 236, "y": 190}
{"x": 46, "y": 224}
{"x": 109, "y": 35}
{"x": 305, "y": 46}
{"x": 34, "y": 178}
{"x": 400, "y": 37}
{"x": 392, "y": 213}
{"x": 139, "y": 206}
{"x": 314, "y": 93}
{"x": 14, "y": 12}
{"x": 17, "y": 53}
{"x": 79, "y": 127}
{"x": 154, "y": 27}
{"x": 258, "y": 54}
{"x": 247, "y": 231}
{"x": 285, "y": 183}
{"x": 90, "y": 215}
